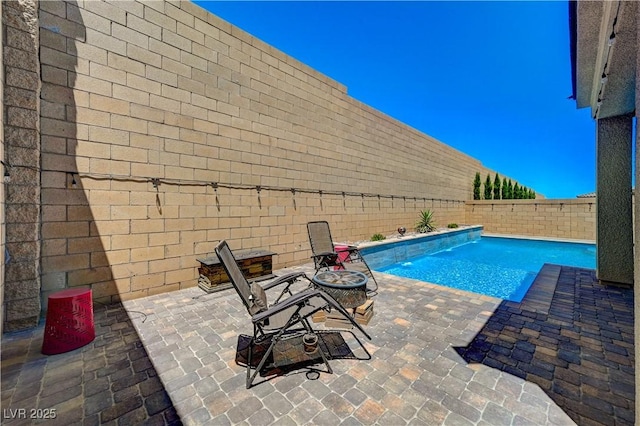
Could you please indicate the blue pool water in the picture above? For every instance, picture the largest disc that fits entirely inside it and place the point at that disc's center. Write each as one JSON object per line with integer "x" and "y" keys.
{"x": 499, "y": 267}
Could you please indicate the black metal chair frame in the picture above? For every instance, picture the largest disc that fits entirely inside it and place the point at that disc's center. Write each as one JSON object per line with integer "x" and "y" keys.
{"x": 298, "y": 307}
{"x": 325, "y": 255}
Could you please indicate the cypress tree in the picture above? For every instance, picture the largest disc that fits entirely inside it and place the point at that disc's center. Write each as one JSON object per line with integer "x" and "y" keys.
{"x": 516, "y": 191}
{"x": 476, "y": 187}
{"x": 509, "y": 190}
{"x": 504, "y": 189}
{"x": 496, "y": 187}
{"x": 488, "y": 188}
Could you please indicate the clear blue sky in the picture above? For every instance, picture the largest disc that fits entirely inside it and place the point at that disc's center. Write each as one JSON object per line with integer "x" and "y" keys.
{"x": 490, "y": 79}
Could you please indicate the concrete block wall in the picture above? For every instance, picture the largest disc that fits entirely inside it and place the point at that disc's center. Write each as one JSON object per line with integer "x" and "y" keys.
{"x": 135, "y": 91}
{"x": 22, "y": 153}
{"x": 125, "y": 116}
{"x": 559, "y": 218}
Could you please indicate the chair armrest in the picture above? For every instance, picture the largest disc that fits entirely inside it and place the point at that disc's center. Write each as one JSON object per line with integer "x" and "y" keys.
{"x": 325, "y": 254}
{"x": 287, "y": 278}
{"x": 300, "y": 299}
{"x": 352, "y": 252}
{"x": 295, "y": 299}
{"x": 326, "y": 259}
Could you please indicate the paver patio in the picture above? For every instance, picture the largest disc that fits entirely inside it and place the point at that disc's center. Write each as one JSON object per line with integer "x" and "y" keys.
{"x": 438, "y": 357}
{"x": 109, "y": 381}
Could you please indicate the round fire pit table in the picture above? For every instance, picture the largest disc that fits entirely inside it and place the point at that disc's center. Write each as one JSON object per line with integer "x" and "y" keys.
{"x": 349, "y": 288}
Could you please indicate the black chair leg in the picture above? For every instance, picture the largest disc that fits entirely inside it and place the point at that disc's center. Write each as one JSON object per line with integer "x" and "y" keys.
{"x": 249, "y": 359}
{"x": 261, "y": 364}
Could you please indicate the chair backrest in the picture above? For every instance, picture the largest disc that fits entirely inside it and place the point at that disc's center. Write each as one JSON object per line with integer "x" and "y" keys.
{"x": 238, "y": 280}
{"x": 320, "y": 237}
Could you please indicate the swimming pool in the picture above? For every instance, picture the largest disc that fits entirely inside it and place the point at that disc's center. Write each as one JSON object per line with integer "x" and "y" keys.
{"x": 494, "y": 266}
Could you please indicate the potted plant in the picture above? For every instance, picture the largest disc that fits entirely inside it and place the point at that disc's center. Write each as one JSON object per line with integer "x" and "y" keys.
{"x": 425, "y": 222}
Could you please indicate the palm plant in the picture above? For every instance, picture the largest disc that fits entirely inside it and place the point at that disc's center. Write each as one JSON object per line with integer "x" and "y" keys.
{"x": 425, "y": 223}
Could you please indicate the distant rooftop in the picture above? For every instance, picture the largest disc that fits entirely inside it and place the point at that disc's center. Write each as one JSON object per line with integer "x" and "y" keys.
{"x": 593, "y": 194}
{"x": 587, "y": 195}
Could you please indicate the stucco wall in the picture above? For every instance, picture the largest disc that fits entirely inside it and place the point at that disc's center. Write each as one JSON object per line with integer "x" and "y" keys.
{"x": 559, "y": 218}
{"x": 636, "y": 222}
{"x": 135, "y": 91}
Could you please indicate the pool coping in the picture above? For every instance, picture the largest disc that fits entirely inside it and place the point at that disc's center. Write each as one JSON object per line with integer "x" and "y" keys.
{"x": 540, "y": 238}
{"x": 413, "y": 236}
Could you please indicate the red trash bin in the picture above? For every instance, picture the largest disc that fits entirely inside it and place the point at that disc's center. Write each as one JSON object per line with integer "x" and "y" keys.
{"x": 69, "y": 323}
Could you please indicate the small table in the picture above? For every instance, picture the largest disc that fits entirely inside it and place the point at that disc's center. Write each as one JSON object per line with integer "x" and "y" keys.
{"x": 349, "y": 288}
{"x": 256, "y": 265}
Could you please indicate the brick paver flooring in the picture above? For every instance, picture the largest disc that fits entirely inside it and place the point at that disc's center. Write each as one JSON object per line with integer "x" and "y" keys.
{"x": 415, "y": 375}
{"x": 580, "y": 352}
{"x": 439, "y": 356}
{"x": 109, "y": 381}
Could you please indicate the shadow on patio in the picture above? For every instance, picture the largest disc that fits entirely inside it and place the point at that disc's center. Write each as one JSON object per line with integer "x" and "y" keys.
{"x": 440, "y": 356}
{"x": 111, "y": 380}
{"x": 580, "y": 353}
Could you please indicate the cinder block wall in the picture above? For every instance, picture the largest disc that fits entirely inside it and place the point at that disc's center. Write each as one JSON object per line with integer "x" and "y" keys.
{"x": 129, "y": 92}
{"x": 3, "y": 234}
{"x": 560, "y": 218}
{"x": 22, "y": 152}
{"x": 134, "y": 91}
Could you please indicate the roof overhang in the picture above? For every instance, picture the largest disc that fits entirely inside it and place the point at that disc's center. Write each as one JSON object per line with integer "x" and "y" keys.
{"x": 604, "y": 51}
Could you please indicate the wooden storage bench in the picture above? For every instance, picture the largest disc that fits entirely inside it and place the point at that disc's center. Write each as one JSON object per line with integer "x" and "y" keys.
{"x": 256, "y": 265}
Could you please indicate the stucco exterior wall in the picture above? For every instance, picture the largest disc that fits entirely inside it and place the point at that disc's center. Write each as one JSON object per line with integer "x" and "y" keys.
{"x": 614, "y": 225}
{"x": 558, "y": 218}
{"x": 636, "y": 222}
{"x": 136, "y": 91}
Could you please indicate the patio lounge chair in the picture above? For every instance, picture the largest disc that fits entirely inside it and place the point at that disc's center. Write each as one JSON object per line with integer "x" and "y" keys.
{"x": 284, "y": 321}
{"x": 325, "y": 255}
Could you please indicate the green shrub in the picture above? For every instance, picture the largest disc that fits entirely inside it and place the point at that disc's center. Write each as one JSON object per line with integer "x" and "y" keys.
{"x": 452, "y": 225}
{"x": 377, "y": 237}
{"x": 425, "y": 223}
